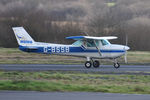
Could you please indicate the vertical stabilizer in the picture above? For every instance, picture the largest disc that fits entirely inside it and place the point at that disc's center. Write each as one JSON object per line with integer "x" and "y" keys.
{"x": 23, "y": 38}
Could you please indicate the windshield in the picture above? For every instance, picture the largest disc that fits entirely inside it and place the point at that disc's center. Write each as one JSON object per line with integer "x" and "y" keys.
{"x": 105, "y": 42}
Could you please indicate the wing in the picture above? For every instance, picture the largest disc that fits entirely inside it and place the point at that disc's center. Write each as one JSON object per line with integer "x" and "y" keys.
{"x": 90, "y": 37}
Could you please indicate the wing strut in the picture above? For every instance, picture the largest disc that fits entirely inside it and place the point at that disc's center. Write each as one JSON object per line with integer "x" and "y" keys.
{"x": 97, "y": 48}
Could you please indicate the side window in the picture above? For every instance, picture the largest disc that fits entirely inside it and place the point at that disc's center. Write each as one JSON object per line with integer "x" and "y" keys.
{"x": 90, "y": 43}
{"x": 97, "y": 43}
{"x": 78, "y": 43}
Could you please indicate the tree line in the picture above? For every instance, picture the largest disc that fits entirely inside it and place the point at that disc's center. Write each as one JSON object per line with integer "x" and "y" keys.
{"x": 53, "y": 20}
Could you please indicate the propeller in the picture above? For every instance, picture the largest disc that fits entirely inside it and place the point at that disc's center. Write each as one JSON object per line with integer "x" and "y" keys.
{"x": 125, "y": 56}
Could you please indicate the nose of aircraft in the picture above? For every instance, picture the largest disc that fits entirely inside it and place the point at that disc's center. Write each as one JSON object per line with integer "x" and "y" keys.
{"x": 126, "y": 48}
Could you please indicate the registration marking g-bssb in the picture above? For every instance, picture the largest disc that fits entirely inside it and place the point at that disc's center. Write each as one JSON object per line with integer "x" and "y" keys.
{"x": 56, "y": 49}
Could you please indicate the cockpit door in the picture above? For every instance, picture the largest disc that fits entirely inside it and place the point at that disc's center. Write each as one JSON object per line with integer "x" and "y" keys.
{"x": 93, "y": 44}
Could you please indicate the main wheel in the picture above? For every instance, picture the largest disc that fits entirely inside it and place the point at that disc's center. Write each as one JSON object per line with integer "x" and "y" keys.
{"x": 116, "y": 65}
{"x": 96, "y": 64}
{"x": 88, "y": 64}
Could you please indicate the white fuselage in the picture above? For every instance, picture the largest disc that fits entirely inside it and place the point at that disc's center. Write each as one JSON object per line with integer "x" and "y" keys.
{"x": 108, "y": 51}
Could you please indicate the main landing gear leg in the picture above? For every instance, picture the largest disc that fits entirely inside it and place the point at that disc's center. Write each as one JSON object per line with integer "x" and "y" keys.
{"x": 89, "y": 62}
{"x": 96, "y": 64}
{"x": 116, "y": 64}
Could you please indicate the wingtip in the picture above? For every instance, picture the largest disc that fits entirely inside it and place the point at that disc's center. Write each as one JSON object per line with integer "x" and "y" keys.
{"x": 17, "y": 27}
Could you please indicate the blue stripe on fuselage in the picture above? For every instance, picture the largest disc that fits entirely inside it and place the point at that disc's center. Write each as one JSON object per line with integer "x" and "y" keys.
{"x": 31, "y": 49}
{"x": 71, "y": 50}
{"x": 79, "y": 49}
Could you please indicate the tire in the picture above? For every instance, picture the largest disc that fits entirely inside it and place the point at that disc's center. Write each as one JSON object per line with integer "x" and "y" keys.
{"x": 88, "y": 64}
{"x": 96, "y": 64}
{"x": 116, "y": 65}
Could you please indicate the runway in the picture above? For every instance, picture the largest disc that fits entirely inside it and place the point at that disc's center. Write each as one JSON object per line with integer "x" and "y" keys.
{"x": 52, "y": 67}
{"x": 31, "y": 95}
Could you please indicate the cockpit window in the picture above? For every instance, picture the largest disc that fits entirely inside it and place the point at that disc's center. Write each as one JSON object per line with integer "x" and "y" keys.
{"x": 87, "y": 43}
{"x": 90, "y": 43}
{"x": 77, "y": 43}
{"x": 104, "y": 42}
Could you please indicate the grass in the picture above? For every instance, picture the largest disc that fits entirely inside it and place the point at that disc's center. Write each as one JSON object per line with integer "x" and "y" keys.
{"x": 139, "y": 56}
{"x": 70, "y": 81}
{"x": 74, "y": 81}
{"x": 15, "y": 56}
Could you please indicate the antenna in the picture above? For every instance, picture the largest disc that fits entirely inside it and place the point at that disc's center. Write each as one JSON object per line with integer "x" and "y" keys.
{"x": 86, "y": 33}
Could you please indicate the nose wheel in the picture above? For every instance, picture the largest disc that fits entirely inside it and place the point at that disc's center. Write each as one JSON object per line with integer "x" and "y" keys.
{"x": 116, "y": 64}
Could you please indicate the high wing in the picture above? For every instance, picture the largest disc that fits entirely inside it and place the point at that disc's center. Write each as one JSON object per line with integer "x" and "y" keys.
{"x": 91, "y": 37}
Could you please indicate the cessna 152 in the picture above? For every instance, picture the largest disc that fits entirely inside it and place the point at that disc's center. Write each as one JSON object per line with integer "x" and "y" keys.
{"x": 85, "y": 46}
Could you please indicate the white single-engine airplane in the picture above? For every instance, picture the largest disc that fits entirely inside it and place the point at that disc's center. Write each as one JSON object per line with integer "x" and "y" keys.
{"x": 85, "y": 46}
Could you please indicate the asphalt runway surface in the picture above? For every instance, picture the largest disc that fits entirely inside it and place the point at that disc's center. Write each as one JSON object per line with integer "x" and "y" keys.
{"x": 32, "y": 95}
{"x": 52, "y": 67}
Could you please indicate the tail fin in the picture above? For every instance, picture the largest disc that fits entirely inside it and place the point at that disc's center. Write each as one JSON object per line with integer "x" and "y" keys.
{"x": 23, "y": 38}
